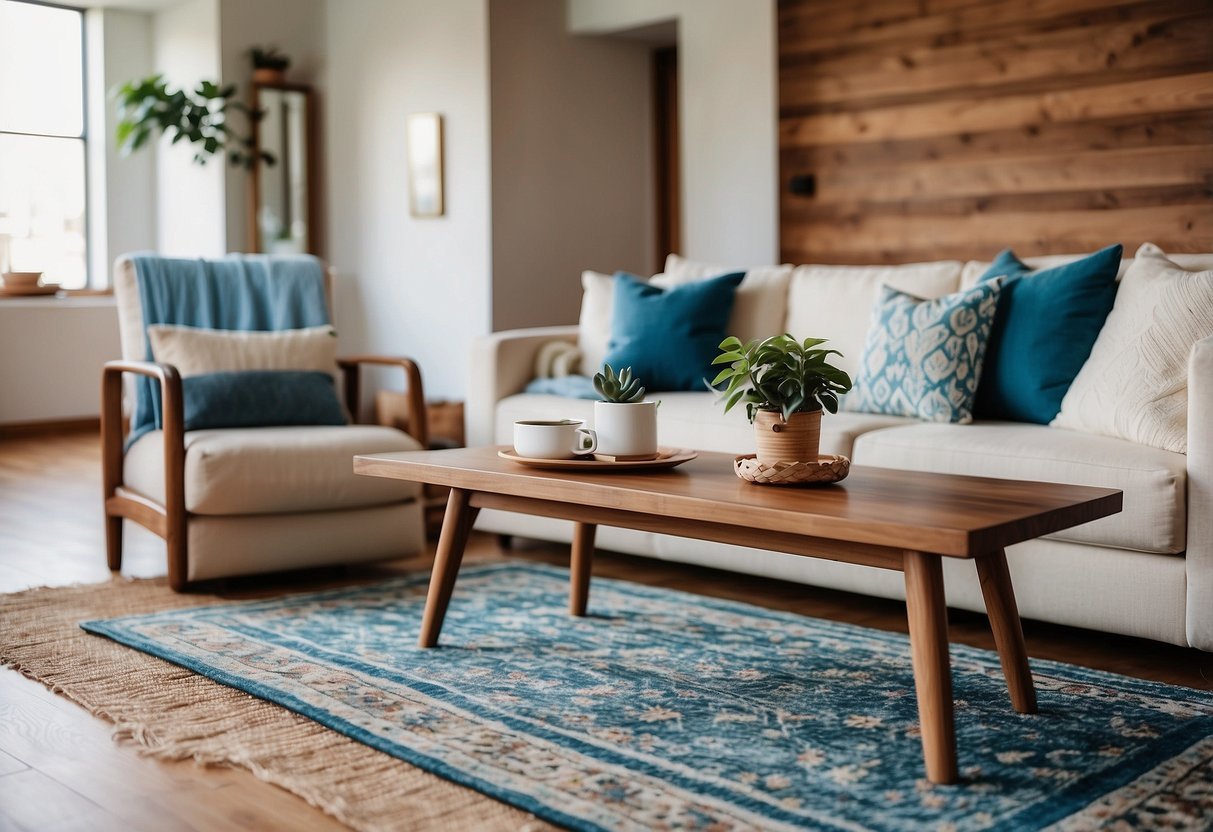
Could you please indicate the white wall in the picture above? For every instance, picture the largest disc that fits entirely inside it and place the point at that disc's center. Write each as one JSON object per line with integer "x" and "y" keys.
{"x": 417, "y": 287}
{"x": 122, "y": 190}
{"x": 51, "y": 354}
{"x": 190, "y": 198}
{"x": 728, "y": 111}
{"x": 571, "y": 157}
{"x": 296, "y": 27}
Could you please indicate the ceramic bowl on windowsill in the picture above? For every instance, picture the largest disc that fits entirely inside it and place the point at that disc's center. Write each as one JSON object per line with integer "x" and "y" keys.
{"x": 21, "y": 280}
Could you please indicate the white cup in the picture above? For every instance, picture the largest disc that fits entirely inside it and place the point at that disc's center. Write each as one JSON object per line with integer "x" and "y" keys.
{"x": 553, "y": 439}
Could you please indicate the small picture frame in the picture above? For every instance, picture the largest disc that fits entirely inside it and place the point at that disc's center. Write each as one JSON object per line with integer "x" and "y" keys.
{"x": 423, "y": 148}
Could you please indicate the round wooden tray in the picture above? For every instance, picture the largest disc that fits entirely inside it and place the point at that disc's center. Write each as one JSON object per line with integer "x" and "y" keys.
{"x": 666, "y": 458}
{"x": 825, "y": 469}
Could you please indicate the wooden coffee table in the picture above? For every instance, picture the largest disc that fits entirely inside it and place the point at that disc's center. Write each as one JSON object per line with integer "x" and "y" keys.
{"x": 901, "y": 520}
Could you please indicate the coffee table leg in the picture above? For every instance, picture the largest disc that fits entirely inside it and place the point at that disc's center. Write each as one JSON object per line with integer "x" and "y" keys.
{"x": 580, "y": 567}
{"x": 928, "y": 617}
{"x": 456, "y": 525}
{"x": 1008, "y": 632}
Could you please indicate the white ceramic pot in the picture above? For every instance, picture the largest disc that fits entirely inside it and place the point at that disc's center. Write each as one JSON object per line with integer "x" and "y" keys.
{"x": 626, "y": 429}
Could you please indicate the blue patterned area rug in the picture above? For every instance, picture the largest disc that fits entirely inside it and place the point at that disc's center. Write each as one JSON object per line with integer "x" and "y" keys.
{"x": 665, "y": 710}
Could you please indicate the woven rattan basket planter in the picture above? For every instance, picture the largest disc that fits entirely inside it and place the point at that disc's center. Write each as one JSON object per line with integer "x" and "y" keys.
{"x": 827, "y": 468}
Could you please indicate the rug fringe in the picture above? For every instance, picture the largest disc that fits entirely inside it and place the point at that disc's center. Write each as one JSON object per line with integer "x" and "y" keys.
{"x": 169, "y": 713}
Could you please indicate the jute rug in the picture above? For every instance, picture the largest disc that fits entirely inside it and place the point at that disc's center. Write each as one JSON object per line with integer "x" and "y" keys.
{"x": 175, "y": 714}
{"x": 666, "y": 710}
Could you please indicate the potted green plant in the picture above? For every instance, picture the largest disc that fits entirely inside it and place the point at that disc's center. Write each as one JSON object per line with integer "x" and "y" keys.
{"x": 201, "y": 116}
{"x": 785, "y": 385}
{"x": 625, "y": 423}
{"x": 269, "y": 65}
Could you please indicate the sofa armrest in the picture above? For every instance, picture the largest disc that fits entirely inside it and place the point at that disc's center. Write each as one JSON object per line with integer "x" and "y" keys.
{"x": 502, "y": 364}
{"x": 1200, "y": 496}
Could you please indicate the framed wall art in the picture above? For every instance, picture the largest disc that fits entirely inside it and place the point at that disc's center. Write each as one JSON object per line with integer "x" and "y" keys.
{"x": 423, "y": 146}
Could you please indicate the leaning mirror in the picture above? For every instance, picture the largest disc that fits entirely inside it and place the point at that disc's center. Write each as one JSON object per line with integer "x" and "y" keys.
{"x": 282, "y": 209}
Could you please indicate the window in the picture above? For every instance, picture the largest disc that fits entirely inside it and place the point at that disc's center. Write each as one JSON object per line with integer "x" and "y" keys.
{"x": 43, "y": 222}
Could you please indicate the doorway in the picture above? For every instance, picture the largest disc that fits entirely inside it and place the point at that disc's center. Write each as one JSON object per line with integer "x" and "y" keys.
{"x": 667, "y": 178}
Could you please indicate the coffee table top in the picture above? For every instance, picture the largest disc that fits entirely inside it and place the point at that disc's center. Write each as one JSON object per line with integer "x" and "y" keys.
{"x": 946, "y": 514}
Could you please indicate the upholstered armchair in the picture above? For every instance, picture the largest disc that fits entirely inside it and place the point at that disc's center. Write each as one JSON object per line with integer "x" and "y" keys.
{"x": 242, "y": 500}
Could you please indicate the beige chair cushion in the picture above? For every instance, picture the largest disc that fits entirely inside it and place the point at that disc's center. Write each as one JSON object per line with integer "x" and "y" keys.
{"x": 195, "y": 351}
{"x": 690, "y": 420}
{"x": 249, "y": 544}
{"x": 1154, "y": 481}
{"x": 835, "y": 302}
{"x": 273, "y": 470}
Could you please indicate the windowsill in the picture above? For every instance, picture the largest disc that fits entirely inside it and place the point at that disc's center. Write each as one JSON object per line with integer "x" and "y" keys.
{"x": 64, "y": 301}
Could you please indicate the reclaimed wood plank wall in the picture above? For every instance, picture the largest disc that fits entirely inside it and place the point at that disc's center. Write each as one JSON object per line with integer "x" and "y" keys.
{"x": 956, "y": 128}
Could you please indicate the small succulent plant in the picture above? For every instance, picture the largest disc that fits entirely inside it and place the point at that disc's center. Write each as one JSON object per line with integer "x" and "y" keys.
{"x": 618, "y": 389}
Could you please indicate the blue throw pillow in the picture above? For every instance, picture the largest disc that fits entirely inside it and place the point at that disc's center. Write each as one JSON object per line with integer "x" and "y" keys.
{"x": 669, "y": 336}
{"x": 923, "y": 358}
{"x": 1045, "y": 326}
{"x": 260, "y": 398}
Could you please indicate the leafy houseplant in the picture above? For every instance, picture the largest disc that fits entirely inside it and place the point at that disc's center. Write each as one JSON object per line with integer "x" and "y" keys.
{"x": 626, "y": 424}
{"x": 200, "y": 116}
{"x": 785, "y": 385}
{"x": 269, "y": 64}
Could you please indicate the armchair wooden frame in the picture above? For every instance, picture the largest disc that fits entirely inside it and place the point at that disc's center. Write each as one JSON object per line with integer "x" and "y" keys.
{"x": 170, "y": 520}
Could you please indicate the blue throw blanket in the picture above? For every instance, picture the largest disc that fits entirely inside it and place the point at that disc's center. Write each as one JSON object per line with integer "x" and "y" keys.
{"x": 572, "y": 387}
{"x": 237, "y": 292}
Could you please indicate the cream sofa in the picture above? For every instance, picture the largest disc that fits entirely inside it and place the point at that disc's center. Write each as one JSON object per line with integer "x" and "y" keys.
{"x": 1146, "y": 572}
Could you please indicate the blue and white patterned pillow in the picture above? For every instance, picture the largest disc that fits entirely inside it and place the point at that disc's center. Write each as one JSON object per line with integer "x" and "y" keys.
{"x": 923, "y": 357}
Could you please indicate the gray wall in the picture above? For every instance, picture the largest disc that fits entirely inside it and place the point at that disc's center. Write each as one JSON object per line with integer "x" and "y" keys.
{"x": 571, "y": 160}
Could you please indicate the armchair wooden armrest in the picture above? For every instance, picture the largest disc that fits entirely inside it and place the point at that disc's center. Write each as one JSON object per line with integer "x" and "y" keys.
{"x": 418, "y": 423}
{"x": 168, "y": 521}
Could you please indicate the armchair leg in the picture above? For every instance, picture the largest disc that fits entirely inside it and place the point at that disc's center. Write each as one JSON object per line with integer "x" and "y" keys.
{"x": 177, "y": 565}
{"x": 113, "y": 542}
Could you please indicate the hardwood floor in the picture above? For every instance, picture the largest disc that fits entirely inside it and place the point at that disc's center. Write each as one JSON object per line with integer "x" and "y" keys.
{"x": 60, "y": 769}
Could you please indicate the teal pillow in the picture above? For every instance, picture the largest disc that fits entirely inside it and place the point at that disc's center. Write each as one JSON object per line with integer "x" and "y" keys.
{"x": 1046, "y": 323}
{"x": 923, "y": 357}
{"x": 669, "y": 336}
{"x": 260, "y": 398}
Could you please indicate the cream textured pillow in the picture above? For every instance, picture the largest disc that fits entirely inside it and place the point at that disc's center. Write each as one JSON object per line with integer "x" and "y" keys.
{"x": 760, "y": 304}
{"x": 594, "y": 326}
{"x": 195, "y": 351}
{"x": 1135, "y": 384}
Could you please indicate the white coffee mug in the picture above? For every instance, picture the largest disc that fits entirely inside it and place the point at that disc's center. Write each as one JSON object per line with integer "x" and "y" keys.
{"x": 553, "y": 439}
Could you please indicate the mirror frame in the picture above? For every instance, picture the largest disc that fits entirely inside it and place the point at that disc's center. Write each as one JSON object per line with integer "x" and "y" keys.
{"x": 254, "y": 203}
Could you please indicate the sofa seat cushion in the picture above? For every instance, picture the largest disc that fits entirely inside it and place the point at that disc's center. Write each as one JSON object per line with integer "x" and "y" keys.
{"x": 690, "y": 420}
{"x": 273, "y": 470}
{"x": 1154, "y": 481}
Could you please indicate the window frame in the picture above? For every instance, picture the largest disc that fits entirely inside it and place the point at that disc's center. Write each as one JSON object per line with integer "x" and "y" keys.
{"x": 90, "y": 284}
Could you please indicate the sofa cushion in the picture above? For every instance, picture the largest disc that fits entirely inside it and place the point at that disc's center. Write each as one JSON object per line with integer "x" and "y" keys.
{"x": 669, "y": 336}
{"x": 1045, "y": 326}
{"x": 690, "y": 420}
{"x": 273, "y": 470}
{"x": 924, "y": 357}
{"x": 760, "y": 306}
{"x": 1135, "y": 384}
{"x": 974, "y": 269}
{"x": 1154, "y": 481}
{"x": 835, "y": 302}
{"x": 594, "y": 325}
